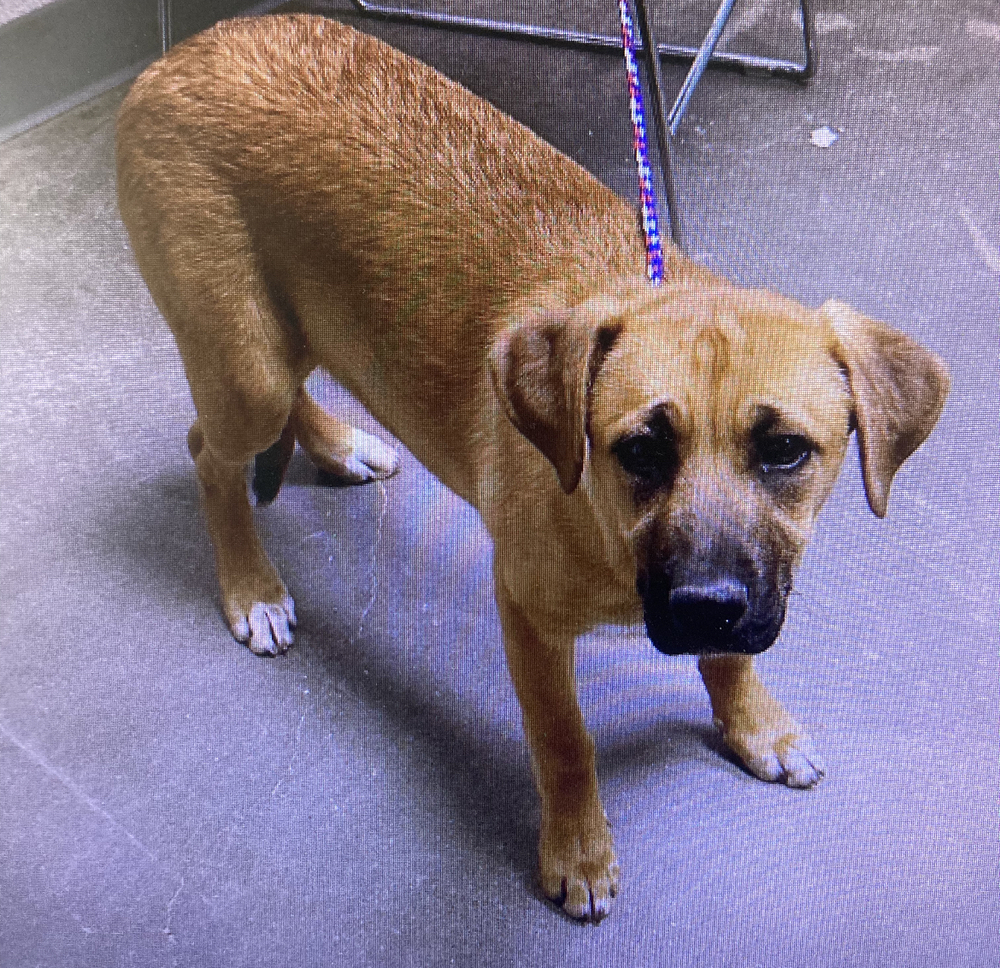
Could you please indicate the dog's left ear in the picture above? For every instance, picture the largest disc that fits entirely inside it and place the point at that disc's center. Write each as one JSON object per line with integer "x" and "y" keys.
{"x": 543, "y": 370}
{"x": 898, "y": 389}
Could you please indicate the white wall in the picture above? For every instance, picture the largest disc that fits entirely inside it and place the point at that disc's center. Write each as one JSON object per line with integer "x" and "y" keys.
{"x": 11, "y": 9}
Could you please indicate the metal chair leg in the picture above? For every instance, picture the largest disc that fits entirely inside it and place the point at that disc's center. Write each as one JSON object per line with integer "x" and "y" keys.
{"x": 164, "y": 10}
{"x": 664, "y": 131}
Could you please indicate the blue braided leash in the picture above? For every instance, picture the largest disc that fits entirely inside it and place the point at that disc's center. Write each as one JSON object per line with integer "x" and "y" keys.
{"x": 650, "y": 216}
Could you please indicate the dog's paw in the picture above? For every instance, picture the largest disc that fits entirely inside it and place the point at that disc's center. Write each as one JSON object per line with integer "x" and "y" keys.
{"x": 578, "y": 869}
{"x": 788, "y": 757}
{"x": 367, "y": 459}
{"x": 265, "y": 627}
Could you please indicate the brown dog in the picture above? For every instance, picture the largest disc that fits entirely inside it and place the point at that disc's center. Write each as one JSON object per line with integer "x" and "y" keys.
{"x": 301, "y": 195}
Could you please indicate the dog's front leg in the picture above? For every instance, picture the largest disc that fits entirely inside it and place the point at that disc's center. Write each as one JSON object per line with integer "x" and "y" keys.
{"x": 755, "y": 726}
{"x": 576, "y": 855}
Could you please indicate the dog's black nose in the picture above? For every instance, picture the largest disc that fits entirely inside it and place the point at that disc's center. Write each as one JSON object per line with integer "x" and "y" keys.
{"x": 708, "y": 610}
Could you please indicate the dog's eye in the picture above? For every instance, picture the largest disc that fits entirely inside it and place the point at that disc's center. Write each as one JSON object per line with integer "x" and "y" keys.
{"x": 652, "y": 458}
{"x": 783, "y": 452}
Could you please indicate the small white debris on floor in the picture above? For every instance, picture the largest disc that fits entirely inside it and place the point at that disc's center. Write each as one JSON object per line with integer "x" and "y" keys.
{"x": 823, "y": 137}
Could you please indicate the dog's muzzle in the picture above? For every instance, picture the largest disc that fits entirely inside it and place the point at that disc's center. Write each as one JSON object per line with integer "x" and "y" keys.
{"x": 712, "y": 612}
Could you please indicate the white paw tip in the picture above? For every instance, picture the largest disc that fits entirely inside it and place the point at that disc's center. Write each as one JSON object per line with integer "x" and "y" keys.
{"x": 372, "y": 458}
{"x": 270, "y": 631}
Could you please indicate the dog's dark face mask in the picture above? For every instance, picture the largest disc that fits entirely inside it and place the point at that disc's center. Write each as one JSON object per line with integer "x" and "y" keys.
{"x": 714, "y": 545}
{"x": 721, "y": 528}
{"x": 706, "y": 588}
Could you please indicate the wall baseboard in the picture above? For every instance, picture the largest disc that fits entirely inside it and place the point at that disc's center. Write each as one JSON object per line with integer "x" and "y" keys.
{"x": 68, "y": 52}
{"x": 75, "y": 99}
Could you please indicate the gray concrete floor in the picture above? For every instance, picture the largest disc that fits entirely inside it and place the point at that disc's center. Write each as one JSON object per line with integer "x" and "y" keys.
{"x": 166, "y": 798}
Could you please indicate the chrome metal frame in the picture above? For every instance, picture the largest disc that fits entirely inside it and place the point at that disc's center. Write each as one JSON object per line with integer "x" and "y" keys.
{"x": 775, "y": 66}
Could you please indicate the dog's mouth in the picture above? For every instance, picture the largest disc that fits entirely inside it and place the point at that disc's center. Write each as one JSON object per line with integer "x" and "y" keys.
{"x": 710, "y": 614}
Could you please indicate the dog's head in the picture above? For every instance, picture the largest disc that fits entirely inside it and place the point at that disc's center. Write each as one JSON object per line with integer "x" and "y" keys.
{"x": 706, "y": 427}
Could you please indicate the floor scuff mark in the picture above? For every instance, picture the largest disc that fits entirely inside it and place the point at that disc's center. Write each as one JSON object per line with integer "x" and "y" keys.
{"x": 988, "y": 251}
{"x": 167, "y": 928}
{"x": 908, "y": 55}
{"x": 745, "y": 19}
{"x": 373, "y": 573}
{"x": 80, "y": 795}
{"x": 829, "y": 22}
{"x": 290, "y": 769}
{"x": 984, "y": 29}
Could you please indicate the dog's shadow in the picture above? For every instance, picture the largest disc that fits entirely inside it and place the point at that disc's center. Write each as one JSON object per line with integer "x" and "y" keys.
{"x": 155, "y": 529}
{"x": 410, "y": 630}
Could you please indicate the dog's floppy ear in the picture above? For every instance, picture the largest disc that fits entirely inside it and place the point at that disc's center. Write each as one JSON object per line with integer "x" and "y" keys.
{"x": 898, "y": 388}
{"x": 543, "y": 369}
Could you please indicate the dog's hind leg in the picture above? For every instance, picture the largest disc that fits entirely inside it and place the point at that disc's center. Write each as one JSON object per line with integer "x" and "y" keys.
{"x": 258, "y": 609}
{"x": 344, "y": 452}
{"x": 244, "y": 354}
{"x": 244, "y": 366}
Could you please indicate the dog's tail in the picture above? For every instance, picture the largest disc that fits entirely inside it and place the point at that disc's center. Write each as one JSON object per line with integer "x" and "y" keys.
{"x": 269, "y": 467}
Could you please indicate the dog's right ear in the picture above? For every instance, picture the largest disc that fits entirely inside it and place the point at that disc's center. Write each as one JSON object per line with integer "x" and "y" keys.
{"x": 543, "y": 371}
